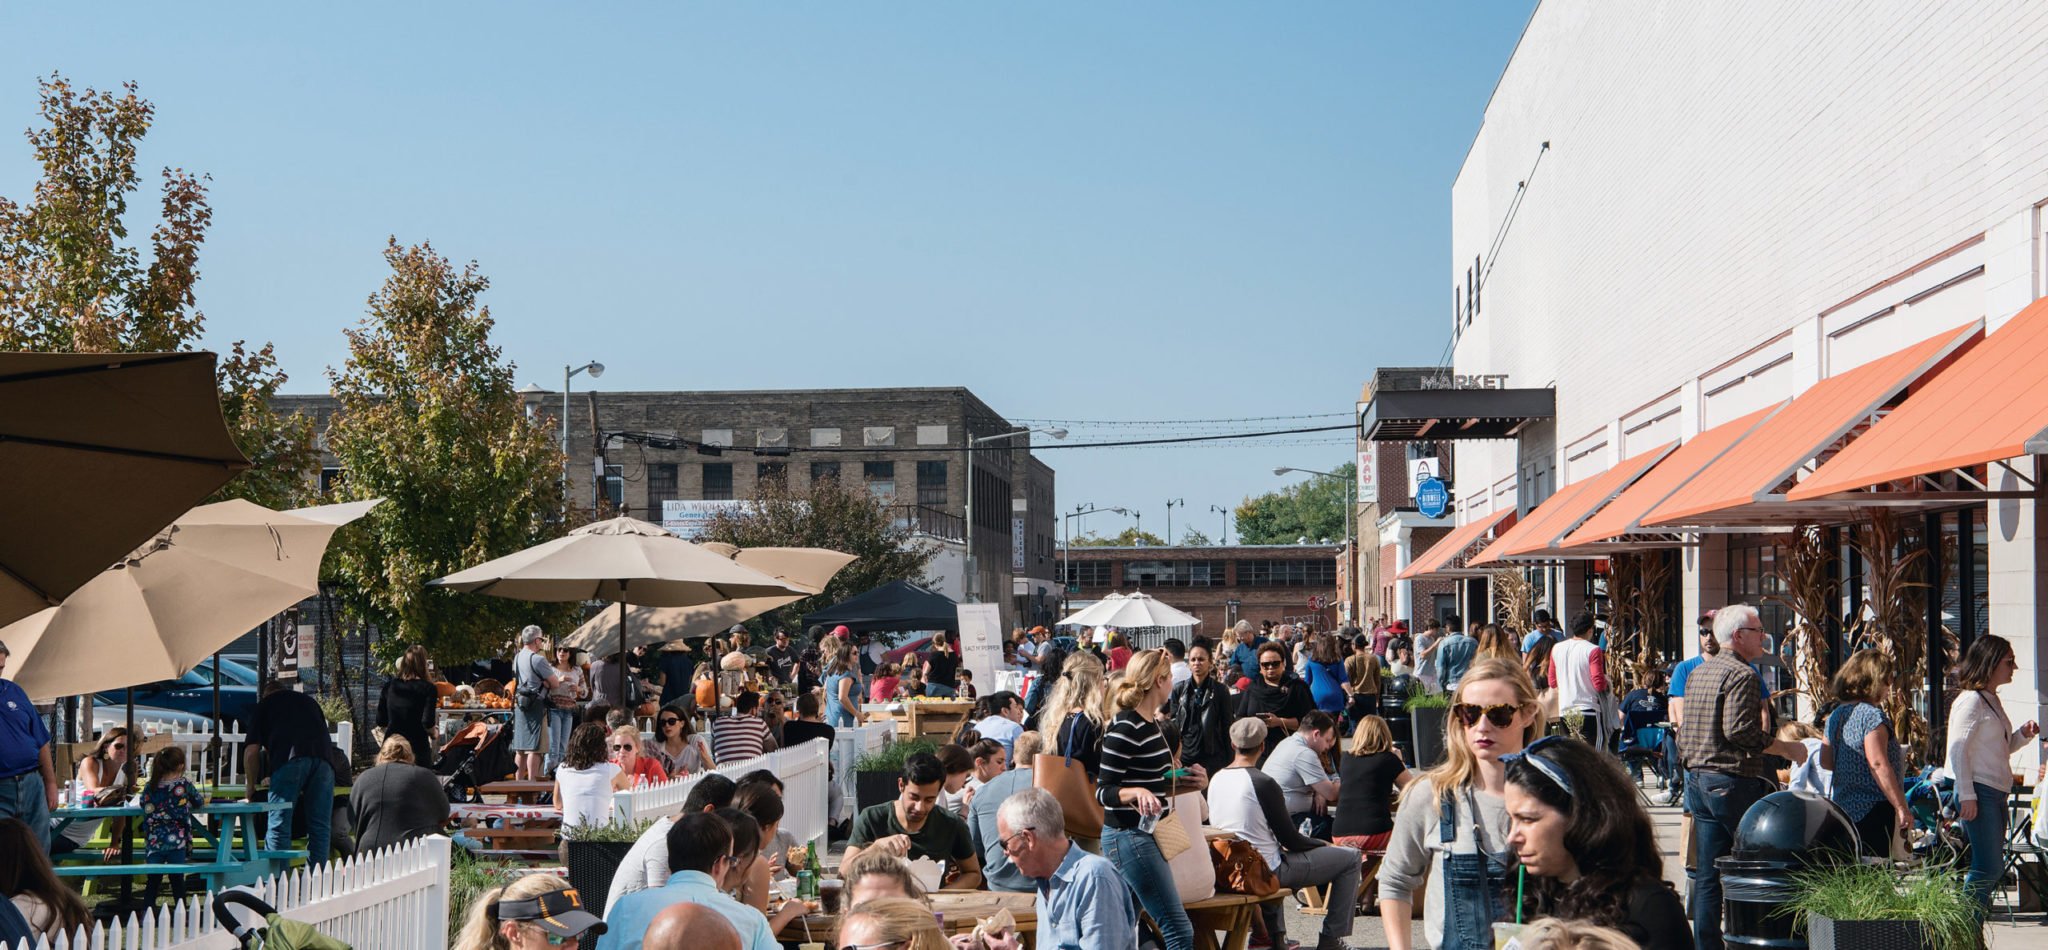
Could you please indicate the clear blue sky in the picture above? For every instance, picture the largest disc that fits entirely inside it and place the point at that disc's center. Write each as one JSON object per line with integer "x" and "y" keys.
{"x": 1120, "y": 211}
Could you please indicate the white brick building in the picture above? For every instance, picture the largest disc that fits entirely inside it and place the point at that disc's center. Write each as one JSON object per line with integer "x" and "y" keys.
{"x": 1737, "y": 200}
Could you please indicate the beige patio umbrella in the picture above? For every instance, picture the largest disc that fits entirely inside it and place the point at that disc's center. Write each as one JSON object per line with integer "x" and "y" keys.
{"x": 624, "y": 560}
{"x": 216, "y": 573}
{"x": 98, "y": 452}
{"x": 807, "y": 568}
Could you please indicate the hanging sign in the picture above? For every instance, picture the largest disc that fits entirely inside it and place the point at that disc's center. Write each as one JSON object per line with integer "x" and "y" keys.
{"x": 1432, "y": 497}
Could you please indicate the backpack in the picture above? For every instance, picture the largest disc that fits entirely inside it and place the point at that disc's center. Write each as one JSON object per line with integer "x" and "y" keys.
{"x": 14, "y": 928}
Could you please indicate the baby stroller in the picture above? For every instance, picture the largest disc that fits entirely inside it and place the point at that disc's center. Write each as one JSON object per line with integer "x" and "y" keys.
{"x": 258, "y": 926}
{"x": 477, "y": 755}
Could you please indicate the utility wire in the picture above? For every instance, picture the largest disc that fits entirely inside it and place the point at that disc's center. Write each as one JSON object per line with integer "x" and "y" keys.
{"x": 660, "y": 441}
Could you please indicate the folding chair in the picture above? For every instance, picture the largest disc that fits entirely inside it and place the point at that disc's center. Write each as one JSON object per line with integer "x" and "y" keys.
{"x": 2025, "y": 861}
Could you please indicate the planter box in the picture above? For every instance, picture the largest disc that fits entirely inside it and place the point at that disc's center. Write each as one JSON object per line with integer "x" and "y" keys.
{"x": 874, "y": 788}
{"x": 592, "y": 864}
{"x": 1825, "y": 933}
{"x": 1428, "y": 725}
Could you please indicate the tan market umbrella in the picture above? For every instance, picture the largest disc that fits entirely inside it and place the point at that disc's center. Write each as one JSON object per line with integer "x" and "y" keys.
{"x": 624, "y": 560}
{"x": 98, "y": 452}
{"x": 213, "y": 575}
{"x": 807, "y": 568}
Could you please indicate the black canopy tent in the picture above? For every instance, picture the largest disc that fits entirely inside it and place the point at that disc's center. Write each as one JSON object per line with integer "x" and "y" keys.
{"x": 897, "y": 605}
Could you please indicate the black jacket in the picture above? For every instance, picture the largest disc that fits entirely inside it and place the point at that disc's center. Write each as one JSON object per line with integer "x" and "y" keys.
{"x": 1202, "y": 711}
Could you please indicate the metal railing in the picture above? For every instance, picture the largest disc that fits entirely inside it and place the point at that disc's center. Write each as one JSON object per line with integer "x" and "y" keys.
{"x": 925, "y": 520}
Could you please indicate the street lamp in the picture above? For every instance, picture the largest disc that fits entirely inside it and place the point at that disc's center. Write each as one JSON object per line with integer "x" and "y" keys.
{"x": 1067, "y": 549}
{"x": 595, "y": 369}
{"x": 1170, "y": 503}
{"x": 1350, "y": 515}
{"x": 973, "y": 579}
{"x": 1223, "y": 539}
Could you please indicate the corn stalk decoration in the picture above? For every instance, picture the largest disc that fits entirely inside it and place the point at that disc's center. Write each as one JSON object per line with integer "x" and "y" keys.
{"x": 1811, "y": 591}
{"x": 1513, "y": 596}
{"x": 1895, "y": 563}
{"x": 1653, "y": 585}
{"x": 1624, "y": 577}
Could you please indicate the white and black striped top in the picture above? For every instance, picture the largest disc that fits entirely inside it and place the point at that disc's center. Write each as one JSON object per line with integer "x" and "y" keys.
{"x": 1134, "y": 753}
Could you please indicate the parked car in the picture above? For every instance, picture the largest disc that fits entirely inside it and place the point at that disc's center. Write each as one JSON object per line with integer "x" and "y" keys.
{"x": 192, "y": 693}
{"x": 106, "y": 715}
{"x": 232, "y": 672}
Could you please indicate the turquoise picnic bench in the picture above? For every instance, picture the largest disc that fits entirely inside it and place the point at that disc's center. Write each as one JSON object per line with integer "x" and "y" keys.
{"x": 215, "y": 821}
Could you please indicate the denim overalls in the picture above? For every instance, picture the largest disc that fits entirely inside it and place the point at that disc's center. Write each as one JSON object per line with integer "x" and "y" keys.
{"x": 1473, "y": 883}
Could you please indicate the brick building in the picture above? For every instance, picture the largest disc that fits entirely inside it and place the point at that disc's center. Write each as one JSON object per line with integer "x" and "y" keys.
{"x": 1221, "y": 584}
{"x": 1388, "y": 513}
{"x": 908, "y": 446}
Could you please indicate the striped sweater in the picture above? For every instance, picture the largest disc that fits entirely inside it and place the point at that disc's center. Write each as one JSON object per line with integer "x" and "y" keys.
{"x": 1134, "y": 754}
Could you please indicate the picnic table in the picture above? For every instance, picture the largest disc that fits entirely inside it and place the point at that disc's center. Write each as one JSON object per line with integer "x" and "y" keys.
{"x": 1229, "y": 914}
{"x": 216, "y": 822}
{"x": 523, "y": 829}
{"x": 521, "y": 792}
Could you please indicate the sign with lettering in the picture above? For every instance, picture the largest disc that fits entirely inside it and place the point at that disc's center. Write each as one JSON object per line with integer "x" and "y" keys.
{"x": 981, "y": 640}
{"x": 1433, "y": 498}
{"x": 1368, "y": 473}
{"x": 1421, "y": 470}
{"x": 1016, "y": 544}
{"x": 1465, "y": 381}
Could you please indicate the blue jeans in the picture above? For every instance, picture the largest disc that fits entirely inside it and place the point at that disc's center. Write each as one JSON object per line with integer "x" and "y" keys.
{"x": 1136, "y": 856}
{"x": 24, "y": 797}
{"x": 939, "y": 689}
{"x": 1717, "y": 801}
{"x": 1986, "y": 834}
{"x": 308, "y": 784}
{"x": 560, "y": 721}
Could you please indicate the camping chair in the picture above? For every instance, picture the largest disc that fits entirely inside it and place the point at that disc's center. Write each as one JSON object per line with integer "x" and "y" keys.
{"x": 1642, "y": 743}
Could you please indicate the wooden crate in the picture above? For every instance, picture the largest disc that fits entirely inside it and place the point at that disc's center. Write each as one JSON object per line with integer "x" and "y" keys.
{"x": 936, "y": 720}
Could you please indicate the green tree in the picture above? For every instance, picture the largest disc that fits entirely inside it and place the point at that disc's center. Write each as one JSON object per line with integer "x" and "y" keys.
{"x": 1128, "y": 538}
{"x": 70, "y": 282}
{"x": 834, "y": 517}
{"x": 1194, "y": 538}
{"x": 1312, "y": 509}
{"x": 429, "y": 421}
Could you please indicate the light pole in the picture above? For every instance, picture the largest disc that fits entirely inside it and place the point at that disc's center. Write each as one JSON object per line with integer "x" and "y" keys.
{"x": 1067, "y": 549}
{"x": 1170, "y": 503}
{"x": 595, "y": 369}
{"x": 1223, "y": 539}
{"x": 973, "y": 579}
{"x": 1350, "y": 515}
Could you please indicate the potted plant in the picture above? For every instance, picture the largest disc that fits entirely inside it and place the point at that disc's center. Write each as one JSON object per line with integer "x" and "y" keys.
{"x": 1426, "y": 714}
{"x": 594, "y": 853}
{"x": 875, "y": 774}
{"x": 1868, "y": 906}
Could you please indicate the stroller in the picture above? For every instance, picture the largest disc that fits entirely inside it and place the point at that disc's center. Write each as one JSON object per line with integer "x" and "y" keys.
{"x": 258, "y": 926}
{"x": 477, "y": 755}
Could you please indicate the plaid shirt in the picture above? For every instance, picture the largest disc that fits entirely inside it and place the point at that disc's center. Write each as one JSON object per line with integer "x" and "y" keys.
{"x": 1723, "y": 729}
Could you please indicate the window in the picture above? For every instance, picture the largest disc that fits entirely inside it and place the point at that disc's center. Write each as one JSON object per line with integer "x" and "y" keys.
{"x": 1316, "y": 573}
{"x": 1173, "y": 574}
{"x": 881, "y": 479}
{"x": 718, "y": 481}
{"x": 615, "y": 485}
{"x": 776, "y": 473}
{"x": 931, "y": 484}
{"x": 1087, "y": 574}
{"x": 824, "y": 472}
{"x": 661, "y": 486}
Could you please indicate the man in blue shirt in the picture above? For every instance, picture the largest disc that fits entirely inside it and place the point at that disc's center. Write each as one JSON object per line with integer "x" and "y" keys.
{"x": 1082, "y": 901}
{"x": 28, "y": 780}
{"x": 1546, "y": 628}
{"x": 699, "y": 856}
{"x": 1679, "y": 674}
{"x": 1454, "y": 654}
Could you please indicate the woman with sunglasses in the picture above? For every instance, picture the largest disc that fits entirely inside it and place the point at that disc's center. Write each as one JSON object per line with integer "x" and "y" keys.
{"x": 100, "y": 773}
{"x": 1452, "y": 829}
{"x": 624, "y": 747}
{"x": 675, "y": 745}
{"x": 1136, "y": 788}
{"x": 531, "y": 913}
{"x": 1275, "y": 697}
{"x": 1587, "y": 846}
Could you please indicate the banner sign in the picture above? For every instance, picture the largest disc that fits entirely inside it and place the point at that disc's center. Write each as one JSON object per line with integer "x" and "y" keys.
{"x": 981, "y": 640}
{"x": 686, "y": 519}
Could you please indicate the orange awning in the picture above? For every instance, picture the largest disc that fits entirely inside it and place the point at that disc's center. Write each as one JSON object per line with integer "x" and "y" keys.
{"x": 1759, "y": 465}
{"x": 1544, "y": 529}
{"x": 1624, "y": 515}
{"x": 1441, "y": 554}
{"x": 1985, "y": 407}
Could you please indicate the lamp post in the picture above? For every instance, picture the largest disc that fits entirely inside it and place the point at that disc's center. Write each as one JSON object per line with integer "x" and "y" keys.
{"x": 1170, "y": 504}
{"x": 1067, "y": 549}
{"x": 1350, "y": 515}
{"x": 973, "y": 579}
{"x": 1224, "y": 538}
{"x": 595, "y": 369}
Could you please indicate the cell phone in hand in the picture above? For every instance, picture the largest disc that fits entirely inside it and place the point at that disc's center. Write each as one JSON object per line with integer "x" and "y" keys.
{"x": 1178, "y": 773}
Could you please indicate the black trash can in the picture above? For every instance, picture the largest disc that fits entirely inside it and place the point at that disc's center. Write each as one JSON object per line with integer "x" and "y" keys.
{"x": 1782, "y": 834}
{"x": 1394, "y": 709}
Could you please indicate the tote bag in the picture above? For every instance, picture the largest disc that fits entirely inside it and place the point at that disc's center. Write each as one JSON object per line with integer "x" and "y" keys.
{"x": 1068, "y": 781}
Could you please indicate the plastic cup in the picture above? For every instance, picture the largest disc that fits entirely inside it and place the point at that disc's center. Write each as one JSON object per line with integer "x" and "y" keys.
{"x": 828, "y": 895}
{"x": 1507, "y": 936}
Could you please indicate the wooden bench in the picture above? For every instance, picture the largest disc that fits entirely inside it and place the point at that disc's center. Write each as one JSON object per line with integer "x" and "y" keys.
{"x": 1229, "y": 913}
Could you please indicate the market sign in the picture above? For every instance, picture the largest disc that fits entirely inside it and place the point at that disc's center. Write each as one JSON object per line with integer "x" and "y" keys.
{"x": 1433, "y": 498}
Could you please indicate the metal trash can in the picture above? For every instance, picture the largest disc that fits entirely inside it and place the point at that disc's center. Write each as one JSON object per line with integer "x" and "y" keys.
{"x": 1394, "y": 709}
{"x": 1780, "y": 835}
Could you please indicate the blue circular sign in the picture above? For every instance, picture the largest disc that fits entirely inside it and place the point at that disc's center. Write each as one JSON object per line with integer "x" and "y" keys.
{"x": 1432, "y": 498}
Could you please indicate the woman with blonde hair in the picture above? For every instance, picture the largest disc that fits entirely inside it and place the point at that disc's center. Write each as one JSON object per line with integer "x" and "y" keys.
{"x": 896, "y": 923}
{"x": 396, "y": 800}
{"x": 874, "y": 873}
{"x": 1452, "y": 829}
{"x": 1551, "y": 933}
{"x": 1075, "y": 712}
{"x": 1860, "y": 750}
{"x": 1136, "y": 792}
{"x": 535, "y": 912}
{"x": 1367, "y": 779}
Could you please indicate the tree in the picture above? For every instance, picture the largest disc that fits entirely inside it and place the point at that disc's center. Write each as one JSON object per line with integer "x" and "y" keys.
{"x": 1129, "y": 538}
{"x": 429, "y": 421}
{"x": 1194, "y": 538}
{"x": 831, "y": 516}
{"x": 70, "y": 283}
{"x": 1313, "y": 509}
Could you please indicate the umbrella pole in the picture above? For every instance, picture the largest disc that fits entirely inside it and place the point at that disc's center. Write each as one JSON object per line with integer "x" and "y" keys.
{"x": 213, "y": 748}
{"x": 624, "y": 696}
{"x": 128, "y": 830}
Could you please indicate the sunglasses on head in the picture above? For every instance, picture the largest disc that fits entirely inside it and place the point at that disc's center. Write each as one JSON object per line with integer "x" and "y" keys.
{"x": 1551, "y": 770}
{"x": 1500, "y": 714}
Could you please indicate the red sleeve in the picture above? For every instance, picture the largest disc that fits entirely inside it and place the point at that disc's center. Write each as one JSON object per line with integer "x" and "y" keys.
{"x": 1550, "y": 672}
{"x": 1599, "y": 664}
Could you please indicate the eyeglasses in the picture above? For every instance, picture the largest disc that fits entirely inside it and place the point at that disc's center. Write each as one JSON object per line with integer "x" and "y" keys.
{"x": 1551, "y": 770}
{"x": 1500, "y": 714}
{"x": 627, "y": 747}
{"x": 874, "y": 946}
{"x": 1271, "y": 664}
{"x": 1749, "y": 629}
{"x": 1005, "y": 842}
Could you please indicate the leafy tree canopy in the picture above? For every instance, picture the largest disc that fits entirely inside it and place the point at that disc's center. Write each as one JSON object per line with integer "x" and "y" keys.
{"x": 1194, "y": 538}
{"x": 70, "y": 282}
{"x": 1128, "y": 538}
{"x": 429, "y": 421}
{"x": 1313, "y": 508}
{"x": 837, "y": 518}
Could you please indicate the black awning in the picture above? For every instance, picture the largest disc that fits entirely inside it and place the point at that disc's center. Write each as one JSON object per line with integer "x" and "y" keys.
{"x": 1446, "y": 415}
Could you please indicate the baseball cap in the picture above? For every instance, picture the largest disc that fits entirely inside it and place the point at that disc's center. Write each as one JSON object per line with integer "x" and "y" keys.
{"x": 842, "y": 632}
{"x": 1248, "y": 733}
{"x": 558, "y": 912}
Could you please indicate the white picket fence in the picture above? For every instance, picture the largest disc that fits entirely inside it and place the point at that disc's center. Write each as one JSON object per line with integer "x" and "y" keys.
{"x": 848, "y": 745}
{"x": 806, "y": 789}
{"x": 230, "y": 772}
{"x": 396, "y": 897}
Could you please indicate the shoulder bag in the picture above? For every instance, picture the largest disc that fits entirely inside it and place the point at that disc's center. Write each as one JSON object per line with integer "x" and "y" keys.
{"x": 1240, "y": 869}
{"x": 1068, "y": 781}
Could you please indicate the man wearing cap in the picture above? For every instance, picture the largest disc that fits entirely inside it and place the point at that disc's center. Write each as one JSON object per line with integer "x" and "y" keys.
{"x": 534, "y": 677}
{"x": 699, "y": 857}
{"x": 1248, "y": 802}
{"x": 28, "y": 779}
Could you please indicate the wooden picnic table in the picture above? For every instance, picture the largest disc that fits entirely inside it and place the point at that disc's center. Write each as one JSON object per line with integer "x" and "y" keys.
{"x": 214, "y": 821}
{"x": 522, "y": 828}
{"x": 520, "y": 792}
{"x": 1228, "y": 914}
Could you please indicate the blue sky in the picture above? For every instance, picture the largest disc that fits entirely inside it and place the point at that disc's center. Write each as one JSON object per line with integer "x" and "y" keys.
{"x": 1130, "y": 211}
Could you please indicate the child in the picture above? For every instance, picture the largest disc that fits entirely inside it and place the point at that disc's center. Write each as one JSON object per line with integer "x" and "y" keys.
{"x": 963, "y": 686}
{"x": 167, "y": 819}
{"x": 912, "y": 684}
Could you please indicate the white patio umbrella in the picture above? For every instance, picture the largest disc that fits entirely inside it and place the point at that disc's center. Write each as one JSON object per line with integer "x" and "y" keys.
{"x": 1133, "y": 611}
{"x": 807, "y": 568}
{"x": 1085, "y": 617}
{"x": 624, "y": 560}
